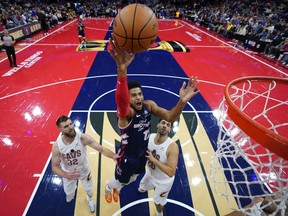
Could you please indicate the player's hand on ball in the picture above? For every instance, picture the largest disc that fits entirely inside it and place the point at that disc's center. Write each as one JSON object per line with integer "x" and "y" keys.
{"x": 122, "y": 58}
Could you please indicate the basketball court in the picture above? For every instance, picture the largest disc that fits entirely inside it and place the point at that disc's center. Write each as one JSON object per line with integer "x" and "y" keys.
{"x": 54, "y": 77}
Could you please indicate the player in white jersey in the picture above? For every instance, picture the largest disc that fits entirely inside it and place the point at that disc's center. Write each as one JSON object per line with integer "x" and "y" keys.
{"x": 69, "y": 159}
{"x": 162, "y": 155}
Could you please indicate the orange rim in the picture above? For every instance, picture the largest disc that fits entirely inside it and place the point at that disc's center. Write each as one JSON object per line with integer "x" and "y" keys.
{"x": 267, "y": 138}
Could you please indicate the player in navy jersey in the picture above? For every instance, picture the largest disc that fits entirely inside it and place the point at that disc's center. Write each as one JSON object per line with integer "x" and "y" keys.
{"x": 81, "y": 32}
{"x": 134, "y": 119}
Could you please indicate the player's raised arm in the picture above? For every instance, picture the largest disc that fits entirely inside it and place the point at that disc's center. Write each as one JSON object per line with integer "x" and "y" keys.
{"x": 186, "y": 92}
{"x": 122, "y": 96}
{"x": 88, "y": 140}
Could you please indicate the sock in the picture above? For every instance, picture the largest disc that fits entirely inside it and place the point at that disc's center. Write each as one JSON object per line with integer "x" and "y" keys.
{"x": 107, "y": 187}
{"x": 113, "y": 183}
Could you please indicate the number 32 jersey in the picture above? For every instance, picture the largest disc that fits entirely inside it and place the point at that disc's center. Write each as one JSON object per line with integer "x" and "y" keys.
{"x": 73, "y": 156}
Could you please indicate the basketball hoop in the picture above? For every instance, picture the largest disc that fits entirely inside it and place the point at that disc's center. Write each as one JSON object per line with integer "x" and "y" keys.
{"x": 252, "y": 146}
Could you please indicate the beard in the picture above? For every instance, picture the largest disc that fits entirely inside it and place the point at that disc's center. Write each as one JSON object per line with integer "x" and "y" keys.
{"x": 163, "y": 132}
{"x": 71, "y": 134}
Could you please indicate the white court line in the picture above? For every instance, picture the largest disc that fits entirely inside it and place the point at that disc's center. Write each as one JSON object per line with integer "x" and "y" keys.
{"x": 151, "y": 200}
{"x": 98, "y": 29}
{"x": 37, "y": 186}
{"x": 100, "y": 76}
{"x": 159, "y": 30}
{"x": 204, "y": 32}
{"x": 195, "y": 46}
{"x": 30, "y": 44}
{"x": 38, "y": 44}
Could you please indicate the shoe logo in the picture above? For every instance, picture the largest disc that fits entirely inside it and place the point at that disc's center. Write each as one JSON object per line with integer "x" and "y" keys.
{"x": 89, "y": 177}
{"x": 164, "y": 194}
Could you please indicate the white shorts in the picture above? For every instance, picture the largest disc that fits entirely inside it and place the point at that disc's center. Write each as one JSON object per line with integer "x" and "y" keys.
{"x": 71, "y": 185}
{"x": 161, "y": 190}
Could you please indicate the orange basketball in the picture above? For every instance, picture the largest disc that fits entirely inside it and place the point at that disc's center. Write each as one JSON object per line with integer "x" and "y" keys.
{"x": 135, "y": 28}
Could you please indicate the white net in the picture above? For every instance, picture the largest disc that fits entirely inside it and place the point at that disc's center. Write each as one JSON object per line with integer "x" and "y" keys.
{"x": 251, "y": 170}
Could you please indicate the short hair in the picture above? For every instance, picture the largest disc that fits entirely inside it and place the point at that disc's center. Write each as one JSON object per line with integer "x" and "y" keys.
{"x": 61, "y": 119}
{"x": 134, "y": 84}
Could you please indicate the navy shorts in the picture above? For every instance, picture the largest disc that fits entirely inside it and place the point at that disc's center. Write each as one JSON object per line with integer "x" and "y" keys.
{"x": 81, "y": 33}
{"x": 128, "y": 166}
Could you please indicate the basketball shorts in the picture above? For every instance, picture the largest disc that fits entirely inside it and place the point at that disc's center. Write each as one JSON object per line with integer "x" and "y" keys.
{"x": 128, "y": 167}
{"x": 71, "y": 185}
{"x": 161, "y": 191}
{"x": 81, "y": 33}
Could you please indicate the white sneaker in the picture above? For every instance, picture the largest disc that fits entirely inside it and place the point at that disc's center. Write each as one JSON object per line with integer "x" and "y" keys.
{"x": 91, "y": 205}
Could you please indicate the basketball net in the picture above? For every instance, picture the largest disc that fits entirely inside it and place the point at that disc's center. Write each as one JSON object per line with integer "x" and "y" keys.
{"x": 252, "y": 146}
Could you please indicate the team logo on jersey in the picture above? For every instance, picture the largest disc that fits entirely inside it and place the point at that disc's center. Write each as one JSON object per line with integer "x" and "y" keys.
{"x": 103, "y": 45}
{"x": 118, "y": 170}
{"x": 142, "y": 124}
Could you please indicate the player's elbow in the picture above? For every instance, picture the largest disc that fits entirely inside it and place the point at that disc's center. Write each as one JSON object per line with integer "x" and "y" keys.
{"x": 54, "y": 169}
{"x": 171, "y": 173}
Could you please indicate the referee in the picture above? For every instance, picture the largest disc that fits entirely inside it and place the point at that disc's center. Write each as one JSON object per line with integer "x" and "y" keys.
{"x": 8, "y": 42}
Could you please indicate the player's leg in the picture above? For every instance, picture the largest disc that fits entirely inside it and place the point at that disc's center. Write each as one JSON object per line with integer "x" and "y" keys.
{"x": 146, "y": 183}
{"x": 69, "y": 188}
{"x": 8, "y": 52}
{"x": 160, "y": 196}
{"x": 112, "y": 188}
{"x": 88, "y": 187}
{"x": 84, "y": 39}
{"x": 123, "y": 174}
{"x": 14, "y": 57}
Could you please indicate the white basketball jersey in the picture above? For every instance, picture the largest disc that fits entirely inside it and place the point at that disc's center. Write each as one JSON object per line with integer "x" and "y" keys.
{"x": 73, "y": 156}
{"x": 159, "y": 152}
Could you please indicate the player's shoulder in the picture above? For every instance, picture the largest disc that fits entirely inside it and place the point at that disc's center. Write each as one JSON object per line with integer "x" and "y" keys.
{"x": 172, "y": 145}
{"x": 149, "y": 102}
{"x": 55, "y": 147}
{"x": 86, "y": 139}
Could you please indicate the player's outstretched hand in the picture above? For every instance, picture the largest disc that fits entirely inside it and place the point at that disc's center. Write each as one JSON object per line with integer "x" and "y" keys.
{"x": 121, "y": 57}
{"x": 189, "y": 90}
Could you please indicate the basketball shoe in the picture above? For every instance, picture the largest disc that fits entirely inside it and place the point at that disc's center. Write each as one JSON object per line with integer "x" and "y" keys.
{"x": 91, "y": 205}
{"x": 109, "y": 195}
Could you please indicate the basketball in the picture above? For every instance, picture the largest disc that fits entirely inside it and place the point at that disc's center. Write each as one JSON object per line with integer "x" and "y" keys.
{"x": 135, "y": 28}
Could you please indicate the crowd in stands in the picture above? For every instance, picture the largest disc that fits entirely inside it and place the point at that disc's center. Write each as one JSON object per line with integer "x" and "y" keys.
{"x": 17, "y": 13}
{"x": 266, "y": 20}
{"x": 263, "y": 20}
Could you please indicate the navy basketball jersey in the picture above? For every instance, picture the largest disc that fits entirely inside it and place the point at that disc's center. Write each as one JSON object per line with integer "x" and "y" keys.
{"x": 135, "y": 136}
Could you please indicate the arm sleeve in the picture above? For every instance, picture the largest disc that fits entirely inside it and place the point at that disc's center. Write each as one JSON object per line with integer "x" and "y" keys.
{"x": 122, "y": 97}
